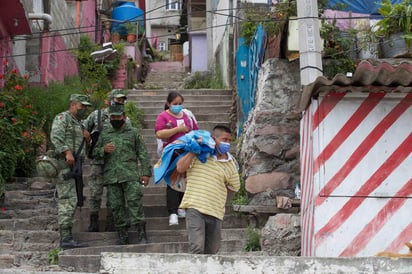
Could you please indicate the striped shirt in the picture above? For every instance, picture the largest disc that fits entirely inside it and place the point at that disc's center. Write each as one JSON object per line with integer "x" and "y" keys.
{"x": 207, "y": 184}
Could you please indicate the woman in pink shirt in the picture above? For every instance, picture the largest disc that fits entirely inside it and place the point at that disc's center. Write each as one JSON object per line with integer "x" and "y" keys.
{"x": 171, "y": 124}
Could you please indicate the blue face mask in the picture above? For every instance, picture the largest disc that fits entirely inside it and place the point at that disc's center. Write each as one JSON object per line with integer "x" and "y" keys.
{"x": 223, "y": 148}
{"x": 176, "y": 109}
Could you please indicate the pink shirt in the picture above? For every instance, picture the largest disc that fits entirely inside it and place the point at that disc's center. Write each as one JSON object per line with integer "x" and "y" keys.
{"x": 166, "y": 121}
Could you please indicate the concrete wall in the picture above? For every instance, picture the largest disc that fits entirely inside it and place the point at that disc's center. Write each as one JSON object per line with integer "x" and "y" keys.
{"x": 217, "y": 26}
{"x": 199, "y": 51}
{"x": 159, "y": 21}
{"x": 246, "y": 263}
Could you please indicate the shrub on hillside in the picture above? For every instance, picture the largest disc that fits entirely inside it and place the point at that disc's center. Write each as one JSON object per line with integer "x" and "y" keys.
{"x": 20, "y": 125}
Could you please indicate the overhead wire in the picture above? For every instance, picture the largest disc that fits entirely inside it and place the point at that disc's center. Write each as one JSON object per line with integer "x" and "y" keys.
{"x": 75, "y": 30}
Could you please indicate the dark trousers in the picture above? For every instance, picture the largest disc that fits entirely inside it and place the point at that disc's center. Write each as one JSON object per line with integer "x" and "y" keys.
{"x": 173, "y": 199}
{"x": 204, "y": 232}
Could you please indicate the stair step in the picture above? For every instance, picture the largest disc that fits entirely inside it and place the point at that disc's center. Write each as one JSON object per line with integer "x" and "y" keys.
{"x": 158, "y": 105}
{"x": 6, "y": 261}
{"x": 186, "y": 93}
{"x": 34, "y": 223}
{"x": 88, "y": 259}
{"x": 155, "y": 236}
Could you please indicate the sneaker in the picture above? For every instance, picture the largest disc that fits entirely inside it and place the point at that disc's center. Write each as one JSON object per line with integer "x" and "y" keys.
{"x": 181, "y": 213}
{"x": 104, "y": 52}
{"x": 173, "y": 219}
{"x": 101, "y": 53}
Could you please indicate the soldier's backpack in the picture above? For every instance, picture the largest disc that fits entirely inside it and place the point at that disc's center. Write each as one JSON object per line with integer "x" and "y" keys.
{"x": 47, "y": 165}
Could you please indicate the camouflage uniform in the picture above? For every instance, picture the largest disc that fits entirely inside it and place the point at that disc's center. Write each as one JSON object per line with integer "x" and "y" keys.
{"x": 121, "y": 173}
{"x": 96, "y": 183}
{"x": 96, "y": 177}
{"x": 66, "y": 133}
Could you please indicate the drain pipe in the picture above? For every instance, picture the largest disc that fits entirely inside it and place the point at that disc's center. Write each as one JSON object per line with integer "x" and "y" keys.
{"x": 41, "y": 16}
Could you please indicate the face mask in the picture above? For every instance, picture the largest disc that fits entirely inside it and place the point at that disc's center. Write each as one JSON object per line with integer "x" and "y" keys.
{"x": 81, "y": 113}
{"x": 116, "y": 124}
{"x": 175, "y": 109}
{"x": 223, "y": 147}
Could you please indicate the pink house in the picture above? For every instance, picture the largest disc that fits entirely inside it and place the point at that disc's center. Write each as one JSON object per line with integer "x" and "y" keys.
{"x": 41, "y": 43}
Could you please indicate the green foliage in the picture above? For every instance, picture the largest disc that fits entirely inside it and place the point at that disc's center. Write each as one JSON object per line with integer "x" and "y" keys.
{"x": 198, "y": 80}
{"x": 53, "y": 256}
{"x": 20, "y": 125}
{"x": 253, "y": 241}
{"x": 94, "y": 75}
{"x": 256, "y": 15}
{"x": 397, "y": 18}
{"x": 339, "y": 47}
{"x": 160, "y": 55}
{"x": 241, "y": 197}
{"x": 51, "y": 100}
{"x": 131, "y": 27}
{"x": 134, "y": 114}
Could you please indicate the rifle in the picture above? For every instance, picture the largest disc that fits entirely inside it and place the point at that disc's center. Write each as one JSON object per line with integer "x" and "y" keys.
{"x": 76, "y": 173}
{"x": 95, "y": 135}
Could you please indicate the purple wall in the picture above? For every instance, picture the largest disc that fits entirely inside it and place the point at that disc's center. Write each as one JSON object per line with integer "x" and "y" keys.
{"x": 199, "y": 52}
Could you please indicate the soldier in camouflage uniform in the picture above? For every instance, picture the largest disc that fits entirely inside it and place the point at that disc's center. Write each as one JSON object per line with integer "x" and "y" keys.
{"x": 94, "y": 126}
{"x": 67, "y": 135}
{"x": 122, "y": 148}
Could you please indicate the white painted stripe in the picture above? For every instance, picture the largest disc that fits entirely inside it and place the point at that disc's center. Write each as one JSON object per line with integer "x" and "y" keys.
{"x": 390, "y": 231}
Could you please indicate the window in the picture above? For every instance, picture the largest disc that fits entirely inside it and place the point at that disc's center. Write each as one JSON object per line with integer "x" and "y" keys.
{"x": 172, "y": 5}
{"x": 162, "y": 46}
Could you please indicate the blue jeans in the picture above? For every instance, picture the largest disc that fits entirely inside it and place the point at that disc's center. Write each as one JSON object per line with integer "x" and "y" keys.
{"x": 204, "y": 232}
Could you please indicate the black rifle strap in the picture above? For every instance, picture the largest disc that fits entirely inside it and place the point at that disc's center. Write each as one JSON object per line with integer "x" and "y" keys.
{"x": 80, "y": 149}
{"x": 99, "y": 120}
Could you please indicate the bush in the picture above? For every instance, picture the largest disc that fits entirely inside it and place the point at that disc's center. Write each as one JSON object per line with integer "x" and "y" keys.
{"x": 20, "y": 126}
{"x": 253, "y": 241}
{"x": 134, "y": 114}
{"x": 200, "y": 80}
{"x": 241, "y": 197}
{"x": 50, "y": 101}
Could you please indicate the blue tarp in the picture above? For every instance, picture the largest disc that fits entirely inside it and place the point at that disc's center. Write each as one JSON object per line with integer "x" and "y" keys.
{"x": 361, "y": 6}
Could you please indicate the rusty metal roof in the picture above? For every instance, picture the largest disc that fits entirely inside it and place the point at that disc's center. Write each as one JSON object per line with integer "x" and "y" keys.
{"x": 368, "y": 77}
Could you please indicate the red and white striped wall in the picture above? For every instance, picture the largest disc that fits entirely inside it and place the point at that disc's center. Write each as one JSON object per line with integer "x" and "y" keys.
{"x": 356, "y": 167}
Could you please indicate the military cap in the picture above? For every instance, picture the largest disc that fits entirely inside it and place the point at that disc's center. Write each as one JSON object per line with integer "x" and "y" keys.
{"x": 117, "y": 93}
{"x": 84, "y": 99}
{"x": 116, "y": 110}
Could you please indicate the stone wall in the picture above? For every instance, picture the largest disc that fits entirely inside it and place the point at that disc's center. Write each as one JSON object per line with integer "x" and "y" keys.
{"x": 269, "y": 150}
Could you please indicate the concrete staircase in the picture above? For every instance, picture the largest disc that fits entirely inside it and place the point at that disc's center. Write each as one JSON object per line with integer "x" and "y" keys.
{"x": 164, "y": 75}
{"x": 210, "y": 107}
{"x": 28, "y": 223}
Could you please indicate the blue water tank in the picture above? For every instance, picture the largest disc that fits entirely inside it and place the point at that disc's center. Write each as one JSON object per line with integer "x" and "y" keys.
{"x": 124, "y": 13}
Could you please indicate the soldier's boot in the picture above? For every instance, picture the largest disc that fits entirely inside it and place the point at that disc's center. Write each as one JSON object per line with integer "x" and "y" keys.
{"x": 94, "y": 223}
{"x": 110, "y": 227}
{"x": 123, "y": 236}
{"x": 141, "y": 232}
{"x": 67, "y": 241}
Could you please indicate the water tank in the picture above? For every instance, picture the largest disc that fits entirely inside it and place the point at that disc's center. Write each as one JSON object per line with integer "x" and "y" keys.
{"x": 126, "y": 12}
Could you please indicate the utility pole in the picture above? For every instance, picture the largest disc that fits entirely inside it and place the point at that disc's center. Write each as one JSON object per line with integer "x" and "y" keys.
{"x": 309, "y": 41}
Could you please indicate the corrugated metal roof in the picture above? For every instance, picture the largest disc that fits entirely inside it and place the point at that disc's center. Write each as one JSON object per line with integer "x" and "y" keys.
{"x": 368, "y": 77}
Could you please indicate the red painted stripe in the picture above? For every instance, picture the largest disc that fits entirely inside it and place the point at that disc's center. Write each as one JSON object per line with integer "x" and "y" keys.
{"x": 353, "y": 122}
{"x": 393, "y": 161}
{"x": 305, "y": 180}
{"x": 403, "y": 237}
{"x": 326, "y": 106}
{"x": 364, "y": 148}
{"x": 376, "y": 224}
